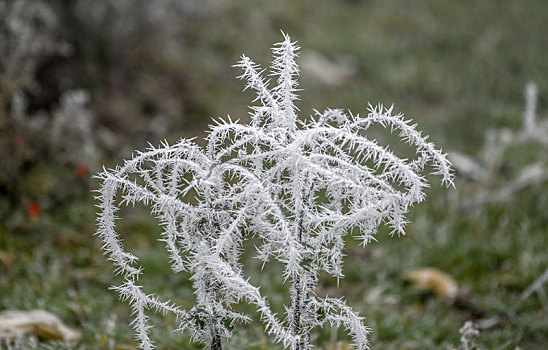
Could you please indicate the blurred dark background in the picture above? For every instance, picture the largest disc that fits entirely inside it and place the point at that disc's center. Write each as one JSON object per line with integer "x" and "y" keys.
{"x": 85, "y": 83}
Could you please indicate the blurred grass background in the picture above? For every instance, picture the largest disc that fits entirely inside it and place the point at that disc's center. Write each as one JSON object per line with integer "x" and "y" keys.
{"x": 162, "y": 70}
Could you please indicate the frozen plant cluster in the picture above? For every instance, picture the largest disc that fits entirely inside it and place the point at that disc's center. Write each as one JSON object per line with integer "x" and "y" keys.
{"x": 27, "y": 35}
{"x": 43, "y": 128}
{"x": 299, "y": 186}
{"x": 484, "y": 173}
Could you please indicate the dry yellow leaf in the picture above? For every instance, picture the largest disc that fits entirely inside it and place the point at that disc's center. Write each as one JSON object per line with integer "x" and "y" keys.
{"x": 432, "y": 279}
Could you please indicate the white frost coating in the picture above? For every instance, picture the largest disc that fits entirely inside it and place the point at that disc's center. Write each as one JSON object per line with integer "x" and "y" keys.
{"x": 485, "y": 170}
{"x": 299, "y": 186}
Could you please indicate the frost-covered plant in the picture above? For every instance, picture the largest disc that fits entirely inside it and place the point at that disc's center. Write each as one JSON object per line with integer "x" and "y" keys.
{"x": 27, "y": 36}
{"x": 318, "y": 180}
{"x": 468, "y": 334}
{"x": 72, "y": 123}
{"x": 190, "y": 192}
{"x": 484, "y": 171}
{"x": 162, "y": 178}
{"x": 300, "y": 186}
{"x": 537, "y": 287}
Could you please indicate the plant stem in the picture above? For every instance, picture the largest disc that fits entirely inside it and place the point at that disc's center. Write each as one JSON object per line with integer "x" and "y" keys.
{"x": 297, "y": 311}
{"x": 216, "y": 343}
{"x": 298, "y": 300}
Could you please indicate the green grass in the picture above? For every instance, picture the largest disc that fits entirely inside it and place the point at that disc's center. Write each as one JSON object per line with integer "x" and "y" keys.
{"x": 457, "y": 68}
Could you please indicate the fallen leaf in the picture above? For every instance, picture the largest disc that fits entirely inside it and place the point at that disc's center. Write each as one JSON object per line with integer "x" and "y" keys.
{"x": 432, "y": 279}
{"x": 40, "y": 323}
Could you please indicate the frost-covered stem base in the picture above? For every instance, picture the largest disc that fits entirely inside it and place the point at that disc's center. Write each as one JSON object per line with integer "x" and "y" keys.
{"x": 300, "y": 294}
{"x": 215, "y": 329}
{"x": 216, "y": 343}
{"x": 297, "y": 305}
{"x": 216, "y": 340}
{"x": 303, "y": 285}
